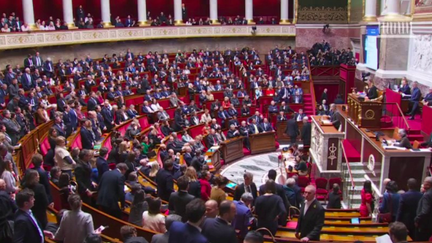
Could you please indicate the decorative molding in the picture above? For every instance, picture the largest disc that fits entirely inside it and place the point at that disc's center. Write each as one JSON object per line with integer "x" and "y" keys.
{"x": 55, "y": 38}
{"x": 323, "y": 14}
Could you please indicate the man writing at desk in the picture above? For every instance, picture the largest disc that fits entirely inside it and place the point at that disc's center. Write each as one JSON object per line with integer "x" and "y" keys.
{"x": 404, "y": 141}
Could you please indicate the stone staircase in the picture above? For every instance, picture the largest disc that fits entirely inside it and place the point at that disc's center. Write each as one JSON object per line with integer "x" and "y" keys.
{"x": 357, "y": 172}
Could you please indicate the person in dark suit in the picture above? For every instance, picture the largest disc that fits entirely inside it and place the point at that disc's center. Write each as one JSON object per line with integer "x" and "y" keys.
{"x": 292, "y": 129}
{"x": 87, "y": 135}
{"x": 26, "y": 227}
{"x": 424, "y": 213}
{"x": 266, "y": 126}
{"x": 372, "y": 91}
{"x": 404, "y": 88}
{"x": 189, "y": 232}
{"x": 212, "y": 138}
{"x": 323, "y": 96}
{"x": 101, "y": 163}
{"x": 269, "y": 208}
{"x": 311, "y": 219}
{"x": 164, "y": 179}
{"x": 247, "y": 186}
{"x": 334, "y": 116}
{"x": 334, "y": 198}
{"x": 408, "y": 203}
{"x": 111, "y": 190}
{"x": 404, "y": 140}
{"x": 129, "y": 235}
{"x": 31, "y": 181}
{"x": 218, "y": 230}
{"x": 306, "y": 132}
{"x": 415, "y": 99}
{"x": 83, "y": 172}
{"x": 108, "y": 117}
{"x": 233, "y": 132}
{"x": 37, "y": 160}
{"x": 92, "y": 102}
{"x": 279, "y": 191}
{"x": 179, "y": 199}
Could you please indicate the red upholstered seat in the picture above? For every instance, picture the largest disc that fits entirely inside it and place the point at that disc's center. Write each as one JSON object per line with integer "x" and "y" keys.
{"x": 302, "y": 182}
{"x": 134, "y": 101}
{"x": 112, "y": 166}
{"x": 77, "y": 142}
{"x": 246, "y": 151}
{"x": 44, "y": 147}
{"x": 143, "y": 121}
{"x": 122, "y": 129}
{"x": 277, "y": 145}
{"x": 321, "y": 186}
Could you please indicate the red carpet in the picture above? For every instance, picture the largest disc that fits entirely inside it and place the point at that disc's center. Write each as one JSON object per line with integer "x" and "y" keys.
{"x": 352, "y": 154}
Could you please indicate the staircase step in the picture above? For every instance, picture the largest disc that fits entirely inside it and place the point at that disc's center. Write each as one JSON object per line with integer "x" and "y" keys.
{"x": 417, "y": 137}
{"x": 415, "y": 131}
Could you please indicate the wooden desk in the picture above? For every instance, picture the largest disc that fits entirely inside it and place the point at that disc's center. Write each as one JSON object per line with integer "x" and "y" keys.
{"x": 262, "y": 142}
{"x": 380, "y": 163}
{"x": 213, "y": 159}
{"x": 232, "y": 149}
{"x": 364, "y": 113}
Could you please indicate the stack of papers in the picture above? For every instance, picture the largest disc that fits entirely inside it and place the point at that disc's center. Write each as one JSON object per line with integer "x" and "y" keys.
{"x": 394, "y": 147}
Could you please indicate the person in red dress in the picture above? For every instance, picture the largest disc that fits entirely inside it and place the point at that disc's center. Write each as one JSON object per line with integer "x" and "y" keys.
{"x": 366, "y": 206}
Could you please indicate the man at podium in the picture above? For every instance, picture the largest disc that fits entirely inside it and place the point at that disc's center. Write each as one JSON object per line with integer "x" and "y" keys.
{"x": 372, "y": 91}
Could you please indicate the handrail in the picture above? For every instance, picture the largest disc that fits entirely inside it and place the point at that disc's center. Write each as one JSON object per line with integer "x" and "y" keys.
{"x": 349, "y": 173}
{"x": 403, "y": 117}
{"x": 407, "y": 126}
{"x": 312, "y": 89}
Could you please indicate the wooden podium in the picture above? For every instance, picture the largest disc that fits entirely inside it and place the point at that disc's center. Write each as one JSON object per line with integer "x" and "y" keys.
{"x": 364, "y": 113}
{"x": 212, "y": 158}
{"x": 232, "y": 149}
{"x": 262, "y": 142}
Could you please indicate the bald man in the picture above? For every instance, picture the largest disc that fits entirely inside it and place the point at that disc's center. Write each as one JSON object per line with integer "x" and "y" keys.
{"x": 219, "y": 230}
{"x": 311, "y": 219}
{"x": 211, "y": 209}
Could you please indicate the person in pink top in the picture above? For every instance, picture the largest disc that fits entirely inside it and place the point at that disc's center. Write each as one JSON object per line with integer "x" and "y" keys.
{"x": 366, "y": 206}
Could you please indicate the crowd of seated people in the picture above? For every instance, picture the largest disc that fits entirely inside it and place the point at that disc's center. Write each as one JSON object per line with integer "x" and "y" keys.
{"x": 73, "y": 84}
{"x": 321, "y": 54}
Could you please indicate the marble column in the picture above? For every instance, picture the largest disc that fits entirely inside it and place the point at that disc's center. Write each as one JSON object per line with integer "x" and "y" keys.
{"x": 106, "y": 13}
{"x": 391, "y": 7}
{"x": 214, "y": 11}
{"x": 142, "y": 13}
{"x": 284, "y": 12}
{"x": 249, "y": 11}
{"x": 370, "y": 11}
{"x": 68, "y": 13}
{"x": 178, "y": 13}
{"x": 28, "y": 13}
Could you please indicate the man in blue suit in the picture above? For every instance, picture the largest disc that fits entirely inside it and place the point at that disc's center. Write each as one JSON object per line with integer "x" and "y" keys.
{"x": 26, "y": 227}
{"x": 242, "y": 220}
{"x": 189, "y": 232}
{"x": 73, "y": 119}
{"x": 408, "y": 206}
{"x": 415, "y": 99}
